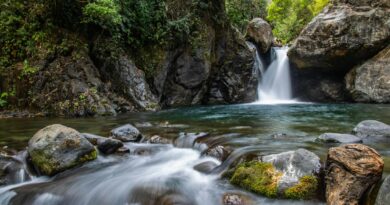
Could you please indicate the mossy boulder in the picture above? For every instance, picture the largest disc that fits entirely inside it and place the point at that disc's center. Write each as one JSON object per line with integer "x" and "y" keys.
{"x": 258, "y": 177}
{"x": 264, "y": 179}
{"x": 57, "y": 148}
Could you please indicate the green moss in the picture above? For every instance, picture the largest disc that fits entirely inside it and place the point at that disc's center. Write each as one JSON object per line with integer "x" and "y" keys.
{"x": 88, "y": 157}
{"x": 44, "y": 164}
{"x": 259, "y": 177}
{"x": 306, "y": 188}
{"x": 50, "y": 167}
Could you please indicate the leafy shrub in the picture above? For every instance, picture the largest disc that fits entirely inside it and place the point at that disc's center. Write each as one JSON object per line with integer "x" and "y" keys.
{"x": 3, "y": 99}
{"x": 104, "y": 13}
{"x": 289, "y": 17}
{"x": 240, "y": 12}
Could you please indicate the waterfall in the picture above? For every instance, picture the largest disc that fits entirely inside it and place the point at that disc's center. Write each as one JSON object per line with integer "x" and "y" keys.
{"x": 275, "y": 84}
{"x": 258, "y": 62}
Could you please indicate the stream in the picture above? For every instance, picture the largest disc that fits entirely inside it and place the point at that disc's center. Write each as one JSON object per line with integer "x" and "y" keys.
{"x": 165, "y": 174}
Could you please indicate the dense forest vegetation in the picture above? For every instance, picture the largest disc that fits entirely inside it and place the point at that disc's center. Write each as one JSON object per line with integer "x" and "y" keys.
{"x": 36, "y": 29}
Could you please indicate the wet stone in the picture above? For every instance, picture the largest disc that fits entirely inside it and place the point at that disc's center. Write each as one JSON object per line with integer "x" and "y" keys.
{"x": 338, "y": 138}
{"x": 126, "y": 133}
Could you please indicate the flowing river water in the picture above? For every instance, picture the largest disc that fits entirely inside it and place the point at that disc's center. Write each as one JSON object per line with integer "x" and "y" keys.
{"x": 165, "y": 174}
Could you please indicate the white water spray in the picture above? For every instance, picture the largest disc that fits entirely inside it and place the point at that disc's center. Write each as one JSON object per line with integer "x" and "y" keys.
{"x": 275, "y": 86}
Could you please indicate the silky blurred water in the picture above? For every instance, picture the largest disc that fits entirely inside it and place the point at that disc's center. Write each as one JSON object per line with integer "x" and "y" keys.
{"x": 167, "y": 173}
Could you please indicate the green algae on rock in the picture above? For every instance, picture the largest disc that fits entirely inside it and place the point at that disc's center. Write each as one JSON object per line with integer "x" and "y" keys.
{"x": 306, "y": 188}
{"x": 262, "y": 178}
{"x": 258, "y": 177}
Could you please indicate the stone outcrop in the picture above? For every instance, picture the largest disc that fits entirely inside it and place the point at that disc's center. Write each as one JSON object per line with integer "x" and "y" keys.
{"x": 118, "y": 69}
{"x": 57, "y": 148}
{"x": 260, "y": 32}
{"x": 350, "y": 171}
{"x": 216, "y": 68}
{"x": 343, "y": 34}
{"x": 370, "y": 82}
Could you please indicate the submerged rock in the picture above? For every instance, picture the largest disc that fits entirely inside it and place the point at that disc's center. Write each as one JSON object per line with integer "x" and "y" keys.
{"x": 219, "y": 152}
{"x": 260, "y": 32}
{"x": 105, "y": 145}
{"x": 56, "y": 148}
{"x": 338, "y": 138}
{"x": 156, "y": 139}
{"x": 383, "y": 197}
{"x": 339, "y": 37}
{"x": 205, "y": 167}
{"x": 237, "y": 199}
{"x": 372, "y": 130}
{"x": 126, "y": 133}
{"x": 350, "y": 171}
{"x": 370, "y": 82}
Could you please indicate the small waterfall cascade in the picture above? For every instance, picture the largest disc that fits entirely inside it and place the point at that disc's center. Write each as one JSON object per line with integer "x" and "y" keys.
{"x": 275, "y": 85}
{"x": 258, "y": 62}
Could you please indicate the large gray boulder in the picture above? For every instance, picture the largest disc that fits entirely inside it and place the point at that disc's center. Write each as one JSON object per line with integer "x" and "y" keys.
{"x": 294, "y": 165}
{"x": 383, "y": 197}
{"x": 260, "y": 32}
{"x": 343, "y": 34}
{"x": 126, "y": 133}
{"x": 338, "y": 138}
{"x": 370, "y": 82}
{"x": 372, "y": 130}
{"x": 56, "y": 148}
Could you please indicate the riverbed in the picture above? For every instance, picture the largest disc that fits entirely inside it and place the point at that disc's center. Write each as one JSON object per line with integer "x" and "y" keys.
{"x": 120, "y": 180}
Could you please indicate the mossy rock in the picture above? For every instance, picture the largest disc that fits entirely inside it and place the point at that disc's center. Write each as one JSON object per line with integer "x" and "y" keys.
{"x": 57, "y": 148}
{"x": 262, "y": 178}
{"x": 259, "y": 177}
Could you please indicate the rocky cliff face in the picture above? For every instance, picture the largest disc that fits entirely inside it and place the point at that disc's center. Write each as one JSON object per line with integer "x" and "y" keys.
{"x": 213, "y": 65}
{"x": 370, "y": 82}
{"x": 345, "y": 34}
{"x": 215, "y": 68}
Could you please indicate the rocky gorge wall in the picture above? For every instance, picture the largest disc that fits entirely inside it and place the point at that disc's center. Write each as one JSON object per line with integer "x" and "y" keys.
{"x": 96, "y": 76}
{"x": 349, "y": 36}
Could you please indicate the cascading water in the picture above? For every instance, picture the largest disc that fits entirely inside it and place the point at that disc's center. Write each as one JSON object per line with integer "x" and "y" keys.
{"x": 275, "y": 86}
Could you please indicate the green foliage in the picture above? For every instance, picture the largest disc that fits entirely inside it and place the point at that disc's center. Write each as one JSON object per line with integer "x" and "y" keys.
{"x": 27, "y": 70}
{"x": 144, "y": 22}
{"x": 240, "y": 12}
{"x": 3, "y": 99}
{"x": 305, "y": 189}
{"x": 258, "y": 177}
{"x": 289, "y": 17}
{"x": 104, "y": 13}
